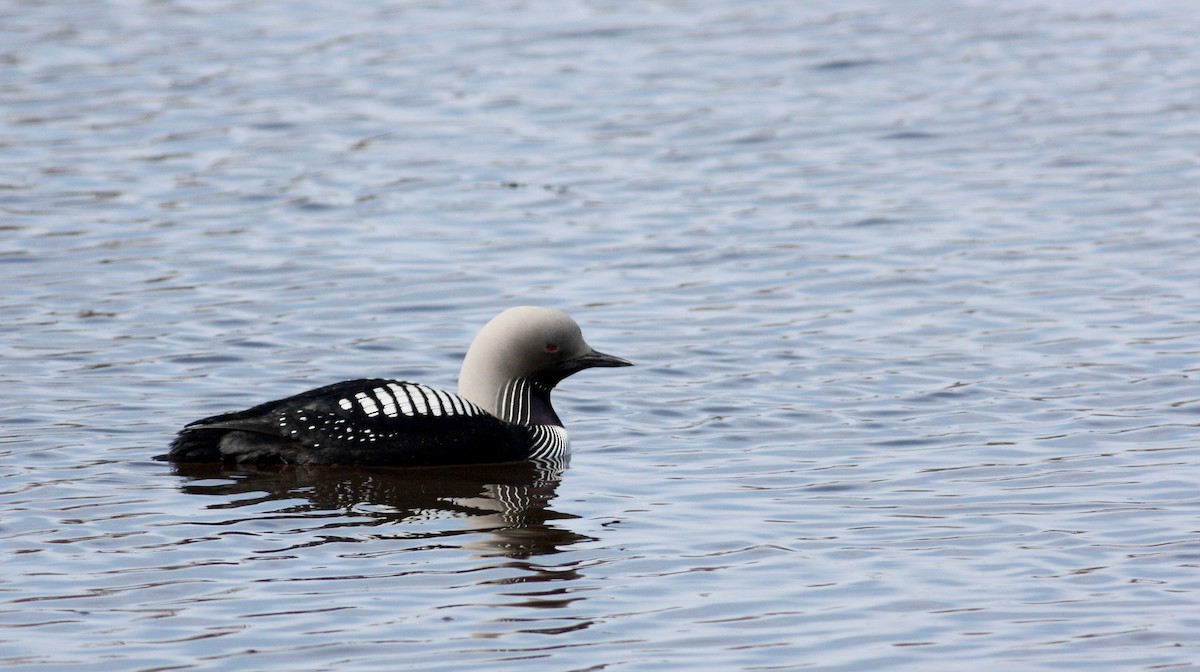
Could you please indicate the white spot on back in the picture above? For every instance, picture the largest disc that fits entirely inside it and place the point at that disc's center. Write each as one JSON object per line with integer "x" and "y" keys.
{"x": 389, "y": 406}
{"x": 346, "y": 404}
{"x": 460, "y": 404}
{"x": 431, "y": 399}
{"x": 419, "y": 399}
{"x": 368, "y": 404}
{"x": 402, "y": 400}
{"x": 446, "y": 401}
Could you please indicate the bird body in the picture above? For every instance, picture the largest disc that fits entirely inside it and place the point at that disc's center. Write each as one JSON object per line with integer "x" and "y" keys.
{"x": 502, "y": 412}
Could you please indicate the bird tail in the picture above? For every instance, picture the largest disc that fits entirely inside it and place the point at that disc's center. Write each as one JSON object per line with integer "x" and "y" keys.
{"x": 195, "y": 445}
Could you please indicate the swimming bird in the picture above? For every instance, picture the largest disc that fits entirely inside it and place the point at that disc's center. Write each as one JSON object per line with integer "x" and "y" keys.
{"x": 502, "y": 411}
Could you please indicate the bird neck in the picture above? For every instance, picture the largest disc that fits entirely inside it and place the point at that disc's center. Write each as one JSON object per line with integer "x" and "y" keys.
{"x": 525, "y": 401}
{"x": 521, "y": 401}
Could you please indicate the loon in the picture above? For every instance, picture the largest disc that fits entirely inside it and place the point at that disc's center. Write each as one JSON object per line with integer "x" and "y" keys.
{"x": 502, "y": 411}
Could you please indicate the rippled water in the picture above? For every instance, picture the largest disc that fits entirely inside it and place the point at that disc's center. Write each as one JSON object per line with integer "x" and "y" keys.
{"x": 912, "y": 289}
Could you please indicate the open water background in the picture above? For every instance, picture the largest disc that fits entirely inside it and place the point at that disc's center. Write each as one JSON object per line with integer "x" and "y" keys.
{"x": 912, "y": 288}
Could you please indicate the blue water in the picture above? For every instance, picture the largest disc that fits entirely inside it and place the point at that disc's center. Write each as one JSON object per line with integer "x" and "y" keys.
{"x": 911, "y": 289}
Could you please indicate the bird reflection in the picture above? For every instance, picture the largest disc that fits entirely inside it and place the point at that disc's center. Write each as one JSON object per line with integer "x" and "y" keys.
{"x": 508, "y": 503}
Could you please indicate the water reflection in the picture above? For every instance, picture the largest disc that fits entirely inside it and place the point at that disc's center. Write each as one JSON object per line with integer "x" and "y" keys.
{"x": 508, "y": 502}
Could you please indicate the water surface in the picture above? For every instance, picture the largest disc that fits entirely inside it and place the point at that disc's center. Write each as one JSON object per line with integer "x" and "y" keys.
{"x": 911, "y": 288}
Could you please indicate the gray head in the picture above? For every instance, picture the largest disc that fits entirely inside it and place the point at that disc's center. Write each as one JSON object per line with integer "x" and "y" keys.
{"x": 517, "y": 359}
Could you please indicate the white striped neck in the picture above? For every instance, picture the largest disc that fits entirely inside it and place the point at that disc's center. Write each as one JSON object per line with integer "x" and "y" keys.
{"x": 525, "y": 401}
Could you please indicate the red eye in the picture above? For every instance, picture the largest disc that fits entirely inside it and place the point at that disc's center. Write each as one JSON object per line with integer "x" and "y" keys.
{"x": 550, "y": 347}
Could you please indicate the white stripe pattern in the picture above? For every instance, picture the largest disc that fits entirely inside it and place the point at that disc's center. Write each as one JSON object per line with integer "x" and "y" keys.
{"x": 389, "y": 403}
{"x": 411, "y": 399}
{"x": 402, "y": 400}
{"x": 418, "y": 399}
{"x": 445, "y": 402}
{"x": 368, "y": 404}
{"x": 340, "y": 420}
{"x": 457, "y": 401}
{"x": 515, "y": 402}
{"x": 549, "y": 441}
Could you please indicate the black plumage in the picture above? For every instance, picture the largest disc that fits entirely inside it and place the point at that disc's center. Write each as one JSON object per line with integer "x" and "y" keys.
{"x": 316, "y": 427}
